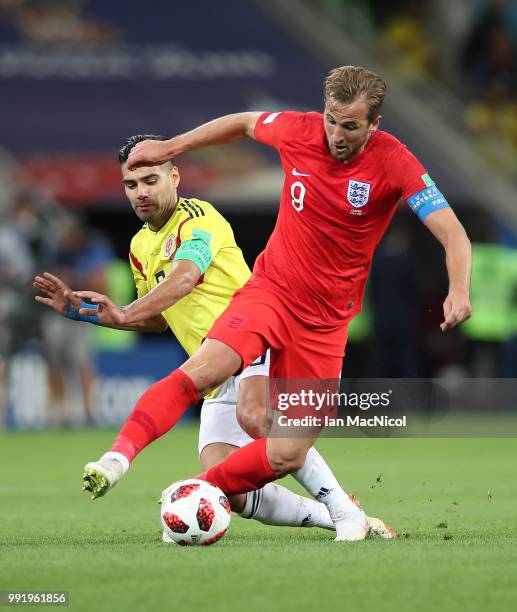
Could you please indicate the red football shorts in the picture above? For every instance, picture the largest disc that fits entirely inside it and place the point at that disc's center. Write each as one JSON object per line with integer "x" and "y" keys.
{"x": 257, "y": 319}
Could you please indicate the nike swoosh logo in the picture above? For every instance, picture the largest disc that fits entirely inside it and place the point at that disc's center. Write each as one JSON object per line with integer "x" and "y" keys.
{"x": 296, "y": 173}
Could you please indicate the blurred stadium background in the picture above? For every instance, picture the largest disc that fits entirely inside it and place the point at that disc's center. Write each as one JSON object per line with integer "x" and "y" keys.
{"x": 80, "y": 76}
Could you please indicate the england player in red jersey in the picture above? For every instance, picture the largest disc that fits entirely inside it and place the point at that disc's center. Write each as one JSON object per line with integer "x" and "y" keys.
{"x": 343, "y": 181}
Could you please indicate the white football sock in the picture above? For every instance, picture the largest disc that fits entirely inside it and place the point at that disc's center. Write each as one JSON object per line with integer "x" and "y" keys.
{"x": 276, "y": 505}
{"x": 317, "y": 478}
{"x": 122, "y": 459}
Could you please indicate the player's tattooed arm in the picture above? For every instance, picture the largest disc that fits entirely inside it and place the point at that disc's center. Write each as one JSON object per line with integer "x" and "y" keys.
{"x": 182, "y": 278}
{"x": 446, "y": 228}
{"x": 219, "y": 131}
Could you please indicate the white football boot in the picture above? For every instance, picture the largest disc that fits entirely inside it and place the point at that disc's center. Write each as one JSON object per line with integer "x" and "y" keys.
{"x": 101, "y": 476}
{"x": 380, "y": 529}
{"x": 351, "y": 526}
{"x": 355, "y": 529}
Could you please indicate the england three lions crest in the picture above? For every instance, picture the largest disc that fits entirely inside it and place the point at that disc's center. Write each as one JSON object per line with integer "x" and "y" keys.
{"x": 358, "y": 193}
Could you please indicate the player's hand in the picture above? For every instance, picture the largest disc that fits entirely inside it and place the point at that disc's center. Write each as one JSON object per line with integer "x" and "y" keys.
{"x": 149, "y": 153}
{"x": 59, "y": 295}
{"x": 456, "y": 309}
{"x": 109, "y": 314}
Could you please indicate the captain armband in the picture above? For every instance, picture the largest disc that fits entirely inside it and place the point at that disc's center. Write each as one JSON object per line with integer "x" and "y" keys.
{"x": 427, "y": 201}
{"x": 196, "y": 251}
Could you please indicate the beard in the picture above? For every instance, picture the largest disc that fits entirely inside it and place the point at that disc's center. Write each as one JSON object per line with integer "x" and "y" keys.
{"x": 344, "y": 153}
{"x": 341, "y": 154}
{"x": 347, "y": 152}
{"x": 148, "y": 213}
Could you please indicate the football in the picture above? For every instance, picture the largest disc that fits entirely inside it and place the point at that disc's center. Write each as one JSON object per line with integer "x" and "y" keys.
{"x": 193, "y": 512}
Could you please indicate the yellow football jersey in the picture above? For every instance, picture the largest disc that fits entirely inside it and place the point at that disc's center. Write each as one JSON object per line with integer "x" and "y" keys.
{"x": 152, "y": 254}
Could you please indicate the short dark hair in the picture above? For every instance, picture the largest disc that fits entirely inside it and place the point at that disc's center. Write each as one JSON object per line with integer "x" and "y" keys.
{"x": 123, "y": 154}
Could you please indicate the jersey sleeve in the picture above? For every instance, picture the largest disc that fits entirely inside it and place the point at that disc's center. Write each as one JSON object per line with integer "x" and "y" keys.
{"x": 274, "y": 128}
{"x": 201, "y": 238}
{"x": 416, "y": 187}
{"x": 137, "y": 269}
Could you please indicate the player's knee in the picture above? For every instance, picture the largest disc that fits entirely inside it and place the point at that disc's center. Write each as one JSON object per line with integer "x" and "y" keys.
{"x": 286, "y": 459}
{"x": 211, "y": 365}
{"x": 206, "y": 378}
{"x": 252, "y": 418}
{"x": 214, "y": 453}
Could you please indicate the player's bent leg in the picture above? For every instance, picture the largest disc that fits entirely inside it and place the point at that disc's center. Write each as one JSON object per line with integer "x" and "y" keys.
{"x": 252, "y": 417}
{"x": 220, "y": 435}
{"x": 252, "y": 467}
{"x": 289, "y": 455}
{"x": 248, "y": 469}
{"x": 215, "y": 453}
{"x": 212, "y": 363}
{"x": 273, "y": 504}
{"x": 159, "y": 409}
{"x": 251, "y": 406}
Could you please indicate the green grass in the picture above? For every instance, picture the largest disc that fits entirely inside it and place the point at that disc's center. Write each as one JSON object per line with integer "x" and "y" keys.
{"x": 109, "y": 556}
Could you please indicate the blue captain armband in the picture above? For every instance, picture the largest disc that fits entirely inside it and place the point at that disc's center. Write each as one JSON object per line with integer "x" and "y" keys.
{"x": 197, "y": 251}
{"x": 72, "y": 313}
{"x": 427, "y": 201}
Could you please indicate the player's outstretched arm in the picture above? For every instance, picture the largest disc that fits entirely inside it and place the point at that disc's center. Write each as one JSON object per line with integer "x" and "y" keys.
{"x": 62, "y": 299}
{"x": 182, "y": 278}
{"x": 446, "y": 228}
{"x": 59, "y": 296}
{"x": 219, "y": 131}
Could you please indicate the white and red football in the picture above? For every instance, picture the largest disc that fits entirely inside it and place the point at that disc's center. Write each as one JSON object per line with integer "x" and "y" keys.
{"x": 194, "y": 512}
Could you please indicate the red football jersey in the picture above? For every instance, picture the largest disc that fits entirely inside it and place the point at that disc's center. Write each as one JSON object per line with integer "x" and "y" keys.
{"x": 332, "y": 215}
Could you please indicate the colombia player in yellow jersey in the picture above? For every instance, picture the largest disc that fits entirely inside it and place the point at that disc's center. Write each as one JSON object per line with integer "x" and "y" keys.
{"x": 188, "y": 245}
{"x": 197, "y": 233}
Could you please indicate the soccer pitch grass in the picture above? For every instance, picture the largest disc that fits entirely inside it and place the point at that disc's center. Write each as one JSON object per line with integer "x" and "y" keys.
{"x": 109, "y": 556}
